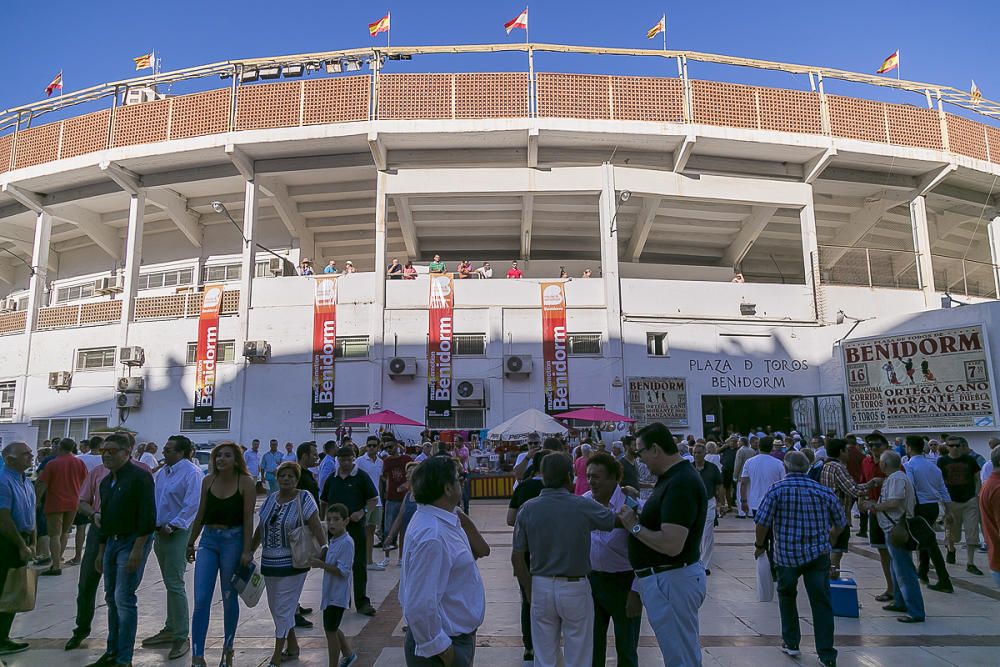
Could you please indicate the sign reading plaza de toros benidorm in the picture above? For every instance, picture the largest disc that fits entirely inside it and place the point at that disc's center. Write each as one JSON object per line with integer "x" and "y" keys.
{"x": 935, "y": 380}
{"x": 658, "y": 400}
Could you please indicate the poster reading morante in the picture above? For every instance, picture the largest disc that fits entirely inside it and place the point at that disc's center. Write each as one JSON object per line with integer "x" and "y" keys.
{"x": 936, "y": 380}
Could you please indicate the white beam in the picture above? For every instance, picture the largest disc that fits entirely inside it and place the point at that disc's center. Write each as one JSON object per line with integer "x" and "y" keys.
{"x": 133, "y": 260}
{"x": 7, "y": 273}
{"x": 29, "y": 200}
{"x": 750, "y": 229}
{"x": 405, "y": 216}
{"x": 643, "y": 225}
{"x": 9, "y": 232}
{"x": 126, "y": 179}
{"x": 532, "y": 147}
{"x": 527, "y": 219}
{"x": 724, "y": 189}
{"x": 380, "y": 156}
{"x": 816, "y": 166}
{"x": 683, "y": 153}
{"x": 493, "y": 180}
{"x": 176, "y": 207}
{"x": 922, "y": 248}
{"x": 241, "y": 161}
{"x": 859, "y": 224}
{"x": 931, "y": 180}
{"x": 993, "y": 231}
{"x": 288, "y": 212}
{"x": 90, "y": 223}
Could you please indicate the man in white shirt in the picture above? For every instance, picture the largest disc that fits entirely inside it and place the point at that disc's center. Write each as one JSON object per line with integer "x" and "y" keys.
{"x": 177, "y": 492}
{"x": 440, "y": 588}
{"x": 426, "y": 451}
{"x": 371, "y": 463}
{"x": 92, "y": 458}
{"x": 252, "y": 458}
{"x": 149, "y": 456}
{"x": 759, "y": 473}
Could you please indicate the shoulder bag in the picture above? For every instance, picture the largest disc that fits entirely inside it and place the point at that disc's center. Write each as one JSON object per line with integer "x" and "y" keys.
{"x": 19, "y": 590}
{"x": 301, "y": 540}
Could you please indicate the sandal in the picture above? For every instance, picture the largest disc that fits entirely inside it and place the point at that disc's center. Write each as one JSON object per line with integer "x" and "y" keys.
{"x": 884, "y": 597}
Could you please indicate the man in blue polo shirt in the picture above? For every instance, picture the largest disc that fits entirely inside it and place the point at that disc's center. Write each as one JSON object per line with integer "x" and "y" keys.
{"x": 17, "y": 527}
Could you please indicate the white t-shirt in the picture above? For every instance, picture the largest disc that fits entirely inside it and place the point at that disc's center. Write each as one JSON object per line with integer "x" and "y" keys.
{"x": 149, "y": 460}
{"x": 373, "y": 470}
{"x": 986, "y": 471}
{"x": 763, "y": 471}
{"x": 896, "y": 485}
{"x": 94, "y": 460}
{"x": 337, "y": 587}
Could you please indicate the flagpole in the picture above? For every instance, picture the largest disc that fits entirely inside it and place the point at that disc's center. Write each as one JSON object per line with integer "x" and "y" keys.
{"x": 531, "y": 69}
{"x": 899, "y": 63}
{"x": 389, "y": 29}
{"x": 664, "y": 31}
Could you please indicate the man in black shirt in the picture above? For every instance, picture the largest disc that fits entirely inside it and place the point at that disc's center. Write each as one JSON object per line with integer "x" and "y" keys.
{"x": 663, "y": 547}
{"x": 712, "y": 478}
{"x": 961, "y": 477}
{"x": 351, "y": 486}
{"x": 630, "y": 471}
{"x": 307, "y": 458}
{"x": 127, "y": 520}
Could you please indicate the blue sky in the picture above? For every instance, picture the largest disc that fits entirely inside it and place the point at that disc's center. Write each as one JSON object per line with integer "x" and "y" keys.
{"x": 94, "y": 42}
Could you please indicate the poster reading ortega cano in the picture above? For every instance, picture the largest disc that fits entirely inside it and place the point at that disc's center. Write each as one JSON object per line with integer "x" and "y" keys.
{"x": 439, "y": 346}
{"x": 932, "y": 380}
{"x": 206, "y": 355}
{"x": 653, "y": 399}
{"x": 555, "y": 363}
{"x": 324, "y": 347}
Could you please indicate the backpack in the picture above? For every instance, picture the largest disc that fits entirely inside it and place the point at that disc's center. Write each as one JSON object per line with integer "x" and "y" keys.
{"x": 816, "y": 471}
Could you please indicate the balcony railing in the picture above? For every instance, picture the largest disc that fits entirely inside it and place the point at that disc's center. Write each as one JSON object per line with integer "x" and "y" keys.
{"x": 964, "y": 277}
{"x": 871, "y": 267}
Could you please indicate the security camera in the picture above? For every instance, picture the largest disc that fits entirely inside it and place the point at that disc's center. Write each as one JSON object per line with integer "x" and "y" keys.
{"x": 625, "y": 196}
{"x": 218, "y": 207}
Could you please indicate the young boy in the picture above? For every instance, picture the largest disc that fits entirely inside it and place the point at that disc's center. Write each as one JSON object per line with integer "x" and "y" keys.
{"x": 337, "y": 584}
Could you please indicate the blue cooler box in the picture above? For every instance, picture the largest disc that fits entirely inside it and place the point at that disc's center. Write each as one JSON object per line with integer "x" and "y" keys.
{"x": 844, "y": 597}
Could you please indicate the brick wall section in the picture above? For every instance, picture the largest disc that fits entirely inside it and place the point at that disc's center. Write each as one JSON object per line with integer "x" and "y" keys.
{"x": 6, "y": 146}
{"x": 648, "y": 98}
{"x": 199, "y": 114}
{"x": 414, "y": 96}
{"x": 141, "y": 123}
{"x": 911, "y": 126}
{"x": 727, "y": 104}
{"x": 12, "y": 322}
{"x": 573, "y": 96}
{"x": 338, "y": 100}
{"x": 58, "y": 317}
{"x": 182, "y": 305}
{"x": 966, "y": 137}
{"x": 101, "y": 312}
{"x": 495, "y": 95}
{"x": 857, "y": 119}
{"x": 268, "y": 105}
{"x": 790, "y": 111}
{"x": 85, "y": 134}
{"x": 37, "y": 145}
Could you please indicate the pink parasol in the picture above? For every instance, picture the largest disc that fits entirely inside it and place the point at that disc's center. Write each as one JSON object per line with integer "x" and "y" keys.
{"x": 387, "y": 417}
{"x": 594, "y": 414}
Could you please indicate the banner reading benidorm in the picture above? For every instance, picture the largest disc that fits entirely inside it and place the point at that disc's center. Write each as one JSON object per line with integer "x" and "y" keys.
{"x": 324, "y": 346}
{"x": 439, "y": 380}
{"x": 936, "y": 380}
{"x": 555, "y": 363}
{"x": 205, "y": 355}
{"x": 658, "y": 400}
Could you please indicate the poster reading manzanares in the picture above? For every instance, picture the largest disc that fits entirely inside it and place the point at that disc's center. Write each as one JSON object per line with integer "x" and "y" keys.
{"x": 930, "y": 380}
{"x": 652, "y": 399}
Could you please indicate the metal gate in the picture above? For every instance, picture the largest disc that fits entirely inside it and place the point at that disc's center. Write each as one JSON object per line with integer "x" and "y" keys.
{"x": 819, "y": 414}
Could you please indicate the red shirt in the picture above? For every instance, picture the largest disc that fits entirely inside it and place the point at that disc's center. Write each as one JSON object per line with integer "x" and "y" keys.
{"x": 989, "y": 508}
{"x": 514, "y": 273}
{"x": 854, "y": 458}
{"x": 63, "y": 477}
{"x": 394, "y": 471}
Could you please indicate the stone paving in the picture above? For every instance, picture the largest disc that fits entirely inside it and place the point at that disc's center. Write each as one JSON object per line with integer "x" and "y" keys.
{"x": 961, "y": 629}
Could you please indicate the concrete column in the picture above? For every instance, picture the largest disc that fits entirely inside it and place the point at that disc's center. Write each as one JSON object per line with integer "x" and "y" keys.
{"x": 249, "y": 260}
{"x": 36, "y": 299}
{"x": 133, "y": 259}
{"x": 378, "y": 352}
{"x": 810, "y": 249}
{"x": 994, "y": 232}
{"x": 607, "y": 205}
{"x": 922, "y": 248}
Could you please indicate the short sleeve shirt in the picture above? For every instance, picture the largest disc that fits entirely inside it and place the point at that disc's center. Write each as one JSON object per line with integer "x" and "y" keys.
{"x": 525, "y": 491}
{"x": 679, "y": 498}
{"x": 394, "y": 471}
{"x": 896, "y": 486}
{"x": 959, "y": 476}
{"x": 63, "y": 477}
{"x": 354, "y": 491}
{"x": 555, "y": 528}
{"x": 712, "y": 478}
{"x": 276, "y": 521}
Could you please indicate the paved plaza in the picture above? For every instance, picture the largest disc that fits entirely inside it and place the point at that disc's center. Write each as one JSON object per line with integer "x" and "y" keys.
{"x": 961, "y": 629}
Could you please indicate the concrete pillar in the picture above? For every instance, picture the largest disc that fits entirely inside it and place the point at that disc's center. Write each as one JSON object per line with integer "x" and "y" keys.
{"x": 378, "y": 352}
{"x": 133, "y": 259}
{"x": 810, "y": 245}
{"x": 36, "y": 299}
{"x": 922, "y": 248}
{"x": 249, "y": 260}
{"x": 607, "y": 204}
{"x": 994, "y": 232}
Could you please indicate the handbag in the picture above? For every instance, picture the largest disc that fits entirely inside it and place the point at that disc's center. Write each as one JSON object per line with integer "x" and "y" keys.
{"x": 19, "y": 590}
{"x": 249, "y": 584}
{"x": 899, "y": 535}
{"x": 301, "y": 540}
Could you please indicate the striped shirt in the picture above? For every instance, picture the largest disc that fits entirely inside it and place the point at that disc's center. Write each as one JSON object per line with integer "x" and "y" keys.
{"x": 800, "y": 513}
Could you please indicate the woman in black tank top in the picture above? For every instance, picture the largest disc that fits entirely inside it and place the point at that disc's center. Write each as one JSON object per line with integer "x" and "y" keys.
{"x": 225, "y": 523}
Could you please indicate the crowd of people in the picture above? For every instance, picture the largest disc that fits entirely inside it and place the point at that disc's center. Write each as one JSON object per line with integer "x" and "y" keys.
{"x": 600, "y": 535}
{"x": 398, "y": 271}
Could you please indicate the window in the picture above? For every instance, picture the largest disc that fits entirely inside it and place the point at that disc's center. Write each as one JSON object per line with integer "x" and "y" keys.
{"x": 22, "y": 303}
{"x": 584, "y": 344}
{"x": 341, "y": 413}
{"x": 224, "y": 354}
{"x": 77, "y": 428}
{"x": 469, "y": 344}
{"x": 74, "y": 292}
{"x": 220, "y": 421}
{"x": 656, "y": 345}
{"x": 172, "y": 278}
{"x": 222, "y": 273}
{"x": 351, "y": 347}
{"x": 96, "y": 358}
{"x": 461, "y": 418}
{"x": 7, "y": 400}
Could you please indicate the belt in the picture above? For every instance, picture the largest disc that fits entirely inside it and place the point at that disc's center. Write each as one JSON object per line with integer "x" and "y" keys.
{"x": 570, "y": 579}
{"x": 656, "y": 569}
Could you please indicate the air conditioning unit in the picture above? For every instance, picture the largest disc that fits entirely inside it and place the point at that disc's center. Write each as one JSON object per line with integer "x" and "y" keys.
{"x": 129, "y": 401}
{"x": 142, "y": 95}
{"x": 131, "y": 385}
{"x": 131, "y": 356}
{"x": 8, "y": 305}
{"x": 257, "y": 350}
{"x": 402, "y": 367}
{"x": 517, "y": 364}
{"x": 60, "y": 380}
{"x": 109, "y": 284}
{"x": 470, "y": 392}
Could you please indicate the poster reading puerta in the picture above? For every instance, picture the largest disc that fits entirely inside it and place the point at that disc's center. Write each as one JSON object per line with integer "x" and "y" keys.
{"x": 935, "y": 380}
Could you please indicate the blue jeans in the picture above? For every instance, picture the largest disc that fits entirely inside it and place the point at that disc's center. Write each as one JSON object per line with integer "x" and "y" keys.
{"x": 218, "y": 554}
{"x": 272, "y": 482}
{"x": 816, "y": 577}
{"x": 996, "y": 577}
{"x": 906, "y": 586}
{"x": 392, "y": 508}
{"x": 119, "y": 593}
{"x": 672, "y": 600}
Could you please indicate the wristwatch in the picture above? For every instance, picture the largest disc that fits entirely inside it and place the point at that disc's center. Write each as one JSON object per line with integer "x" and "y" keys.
{"x": 636, "y": 528}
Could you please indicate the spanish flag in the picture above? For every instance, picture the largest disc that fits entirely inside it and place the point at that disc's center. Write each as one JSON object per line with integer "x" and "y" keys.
{"x": 521, "y": 21}
{"x": 382, "y": 25}
{"x": 143, "y": 62}
{"x": 975, "y": 94}
{"x": 658, "y": 28}
{"x": 56, "y": 83}
{"x": 890, "y": 63}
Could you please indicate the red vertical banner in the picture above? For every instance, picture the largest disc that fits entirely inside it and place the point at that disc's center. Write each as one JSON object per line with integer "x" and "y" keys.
{"x": 324, "y": 346}
{"x": 206, "y": 353}
{"x": 555, "y": 365}
{"x": 439, "y": 349}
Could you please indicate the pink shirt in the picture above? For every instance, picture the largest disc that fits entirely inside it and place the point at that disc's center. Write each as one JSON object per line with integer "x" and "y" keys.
{"x": 580, "y": 467}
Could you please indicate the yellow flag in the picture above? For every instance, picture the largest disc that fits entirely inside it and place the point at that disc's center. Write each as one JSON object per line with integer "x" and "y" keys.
{"x": 661, "y": 26}
{"x": 143, "y": 62}
{"x": 975, "y": 93}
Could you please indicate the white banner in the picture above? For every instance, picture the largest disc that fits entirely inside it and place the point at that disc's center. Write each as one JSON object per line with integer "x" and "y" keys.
{"x": 658, "y": 400}
{"x": 937, "y": 380}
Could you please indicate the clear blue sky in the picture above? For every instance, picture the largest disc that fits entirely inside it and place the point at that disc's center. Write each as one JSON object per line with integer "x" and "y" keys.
{"x": 94, "y": 42}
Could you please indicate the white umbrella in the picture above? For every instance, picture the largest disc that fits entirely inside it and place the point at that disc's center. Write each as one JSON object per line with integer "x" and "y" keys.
{"x": 528, "y": 422}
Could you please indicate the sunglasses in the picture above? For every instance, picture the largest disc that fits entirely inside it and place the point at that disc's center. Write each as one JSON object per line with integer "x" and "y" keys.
{"x": 110, "y": 450}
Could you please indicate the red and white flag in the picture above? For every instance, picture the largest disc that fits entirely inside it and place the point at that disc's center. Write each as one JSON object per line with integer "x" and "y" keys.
{"x": 57, "y": 83}
{"x": 520, "y": 22}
